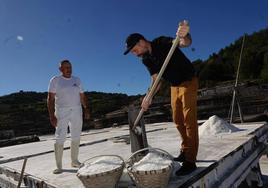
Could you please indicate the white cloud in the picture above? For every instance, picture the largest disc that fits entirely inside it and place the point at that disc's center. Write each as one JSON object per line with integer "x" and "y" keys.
{"x": 20, "y": 38}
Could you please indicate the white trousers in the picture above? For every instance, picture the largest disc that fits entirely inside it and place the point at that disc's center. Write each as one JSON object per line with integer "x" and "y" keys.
{"x": 72, "y": 117}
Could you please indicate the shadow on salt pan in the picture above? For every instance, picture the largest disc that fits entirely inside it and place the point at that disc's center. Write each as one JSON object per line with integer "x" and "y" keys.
{"x": 215, "y": 126}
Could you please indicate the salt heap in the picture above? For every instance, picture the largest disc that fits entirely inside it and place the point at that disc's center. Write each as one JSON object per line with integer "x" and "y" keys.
{"x": 152, "y": 161}
{"x": 215, "y": 125}
{"x": 100, "y": 165}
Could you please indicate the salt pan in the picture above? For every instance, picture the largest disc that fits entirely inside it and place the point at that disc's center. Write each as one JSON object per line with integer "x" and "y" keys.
{"x": 215, "y": 125}
{"x": 100, "y": 165}
{"x": 152, "y": 161}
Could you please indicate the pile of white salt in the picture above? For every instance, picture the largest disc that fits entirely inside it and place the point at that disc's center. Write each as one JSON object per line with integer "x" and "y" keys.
{"x": 100, "y": 165}
{"x": 214, "y": 126}
{"x": 152, "y": 161}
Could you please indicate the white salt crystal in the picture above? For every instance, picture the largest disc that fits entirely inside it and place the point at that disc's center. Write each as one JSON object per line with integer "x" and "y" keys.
{"x": 100, "y": 165}
{"x": 215, "y": 125}
{"x": 152, "y": 161}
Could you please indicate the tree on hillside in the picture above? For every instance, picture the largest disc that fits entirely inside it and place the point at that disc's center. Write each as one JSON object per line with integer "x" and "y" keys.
{"x": 198, "y": 65}
{"x": 264, "y": 72}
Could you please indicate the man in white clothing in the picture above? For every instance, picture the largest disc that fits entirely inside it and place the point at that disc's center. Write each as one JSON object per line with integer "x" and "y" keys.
{"x": 65, "y": 97}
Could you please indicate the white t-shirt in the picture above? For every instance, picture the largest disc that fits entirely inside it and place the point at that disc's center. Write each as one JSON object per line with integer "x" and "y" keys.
{"x": 67, "y": 91}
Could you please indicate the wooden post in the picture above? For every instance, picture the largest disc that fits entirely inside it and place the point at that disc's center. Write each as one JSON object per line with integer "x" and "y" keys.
{"x": 235, "y": 87}
{"x": 22, "y": 172}
{"x": 239, "y": 109}
{"x": 137, "y": 141}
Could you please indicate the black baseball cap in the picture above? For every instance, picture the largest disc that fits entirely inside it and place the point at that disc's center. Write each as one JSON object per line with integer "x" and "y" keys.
{"x": 132, "y": 40}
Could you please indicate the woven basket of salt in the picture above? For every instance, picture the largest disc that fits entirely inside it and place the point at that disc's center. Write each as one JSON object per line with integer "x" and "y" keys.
{"x": 150, "y": 168}
{"x": 101, "y": 171}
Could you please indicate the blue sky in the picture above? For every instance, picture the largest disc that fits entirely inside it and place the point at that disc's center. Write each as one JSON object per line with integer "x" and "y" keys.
{"x": 36, "y": 34}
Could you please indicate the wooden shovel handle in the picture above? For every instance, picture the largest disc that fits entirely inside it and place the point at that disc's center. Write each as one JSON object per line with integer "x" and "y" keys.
{"x": 149, "y": 95}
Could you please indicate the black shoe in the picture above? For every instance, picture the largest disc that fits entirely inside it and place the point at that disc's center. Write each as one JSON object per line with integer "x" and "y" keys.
{"x": 186, "y": 168}
{"x": 180, "y": 158}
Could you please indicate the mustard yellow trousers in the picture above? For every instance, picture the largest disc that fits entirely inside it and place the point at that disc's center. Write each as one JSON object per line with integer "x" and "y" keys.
{"x": 184, "y": 112}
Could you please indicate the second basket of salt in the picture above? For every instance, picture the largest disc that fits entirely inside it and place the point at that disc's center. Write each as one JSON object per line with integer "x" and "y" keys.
{"x": 101, "y": 171}
{"x": 150, "y": 168}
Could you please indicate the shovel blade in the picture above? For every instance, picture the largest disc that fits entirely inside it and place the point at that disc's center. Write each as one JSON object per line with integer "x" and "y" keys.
{"x": 137, "y": 141}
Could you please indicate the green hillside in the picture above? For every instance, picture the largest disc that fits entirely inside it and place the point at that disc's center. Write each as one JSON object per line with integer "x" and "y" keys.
{"x": 222, "y": 66}
{"x": 26, "y": 112}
